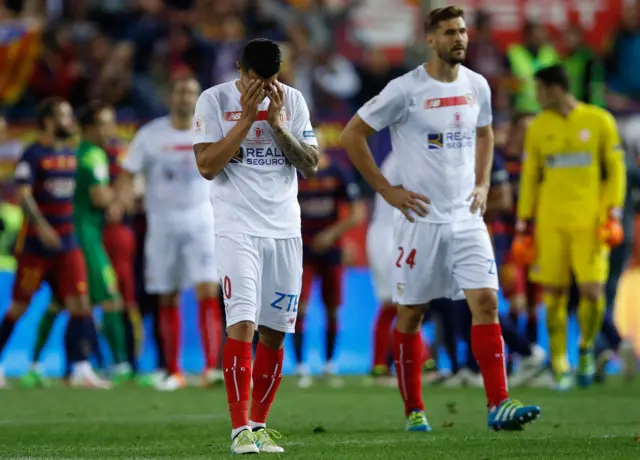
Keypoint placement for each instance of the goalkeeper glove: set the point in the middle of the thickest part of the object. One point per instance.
(522, 248)
(612, 233)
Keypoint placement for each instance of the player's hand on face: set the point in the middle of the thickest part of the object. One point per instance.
(410, 203)
(250, 98)
(323, 241)
(49, 237)
(479, 199)
(275, 92)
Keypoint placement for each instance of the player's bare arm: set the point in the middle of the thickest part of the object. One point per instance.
(124, 189)
(484, 159)
(46, 233)
(303, 156)
(212, 157)
(327, 238)
(354, 141)
(102, 196)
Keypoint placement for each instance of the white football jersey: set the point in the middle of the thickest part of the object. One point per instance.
(433, 133)
(257, 192)
(174, 191)
(383, 211)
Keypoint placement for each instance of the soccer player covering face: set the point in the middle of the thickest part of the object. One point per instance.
(45, 179)
(179, 246)
(320, 198)
(252, 136)
(94, 203)
(439, 116)
(573, 185)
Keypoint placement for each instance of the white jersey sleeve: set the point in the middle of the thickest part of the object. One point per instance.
(387, 108)
(136, 158)
(207, 122)
(485, 117)
(301, 124)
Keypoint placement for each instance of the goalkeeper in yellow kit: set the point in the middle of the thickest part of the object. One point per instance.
(573, 188)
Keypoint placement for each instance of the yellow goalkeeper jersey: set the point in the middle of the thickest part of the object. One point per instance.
(573, 170)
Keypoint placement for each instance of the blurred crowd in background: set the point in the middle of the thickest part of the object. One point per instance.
(339, 53)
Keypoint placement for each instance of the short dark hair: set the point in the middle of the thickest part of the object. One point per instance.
(88, 115)
(46, 109)
(555, 75)
(262, 56)
(436, 16)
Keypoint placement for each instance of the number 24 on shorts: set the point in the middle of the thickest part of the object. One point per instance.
(410, 260)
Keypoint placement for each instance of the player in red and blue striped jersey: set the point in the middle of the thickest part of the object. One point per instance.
(48, 248)
(320, 198)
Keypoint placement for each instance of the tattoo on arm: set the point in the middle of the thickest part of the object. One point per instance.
(303, 156)
(31, 210)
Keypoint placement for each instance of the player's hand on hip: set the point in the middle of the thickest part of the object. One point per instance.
(409, 203)
(250, 98)
(275, 92)
(49, 237)
(479, 199)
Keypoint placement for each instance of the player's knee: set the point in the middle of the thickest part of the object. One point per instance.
(241, 331)
(332, 314)
(409, 319)
(271, 338)
(206, 290)
(17, 309)
(169, 300)
(591, 292)
(484, 305)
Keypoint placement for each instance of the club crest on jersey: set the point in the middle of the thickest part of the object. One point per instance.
(258, 136)
(457, 120)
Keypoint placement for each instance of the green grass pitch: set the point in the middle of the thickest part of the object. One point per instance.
(355, 422)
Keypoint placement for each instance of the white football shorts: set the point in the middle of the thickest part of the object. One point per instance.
(441, 260)
(380, 252)
(261, 279)
(180, 258)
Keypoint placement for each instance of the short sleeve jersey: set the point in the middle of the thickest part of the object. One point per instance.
(93, 169)
(256, 192)
(433, 132)
(50, 172)
(175, 192)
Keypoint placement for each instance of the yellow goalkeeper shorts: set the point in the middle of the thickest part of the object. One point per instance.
(560, 252)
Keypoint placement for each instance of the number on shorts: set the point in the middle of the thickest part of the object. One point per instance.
(410, 260)
(226, 287)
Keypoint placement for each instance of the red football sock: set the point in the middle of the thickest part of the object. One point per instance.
(426, 353)
(170, 334)
(382, 334)
(236, 362)
(267, 375)
(488, 348)
(407, 356)
(211, 331)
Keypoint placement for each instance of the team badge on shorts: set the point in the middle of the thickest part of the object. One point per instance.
(400, 288)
